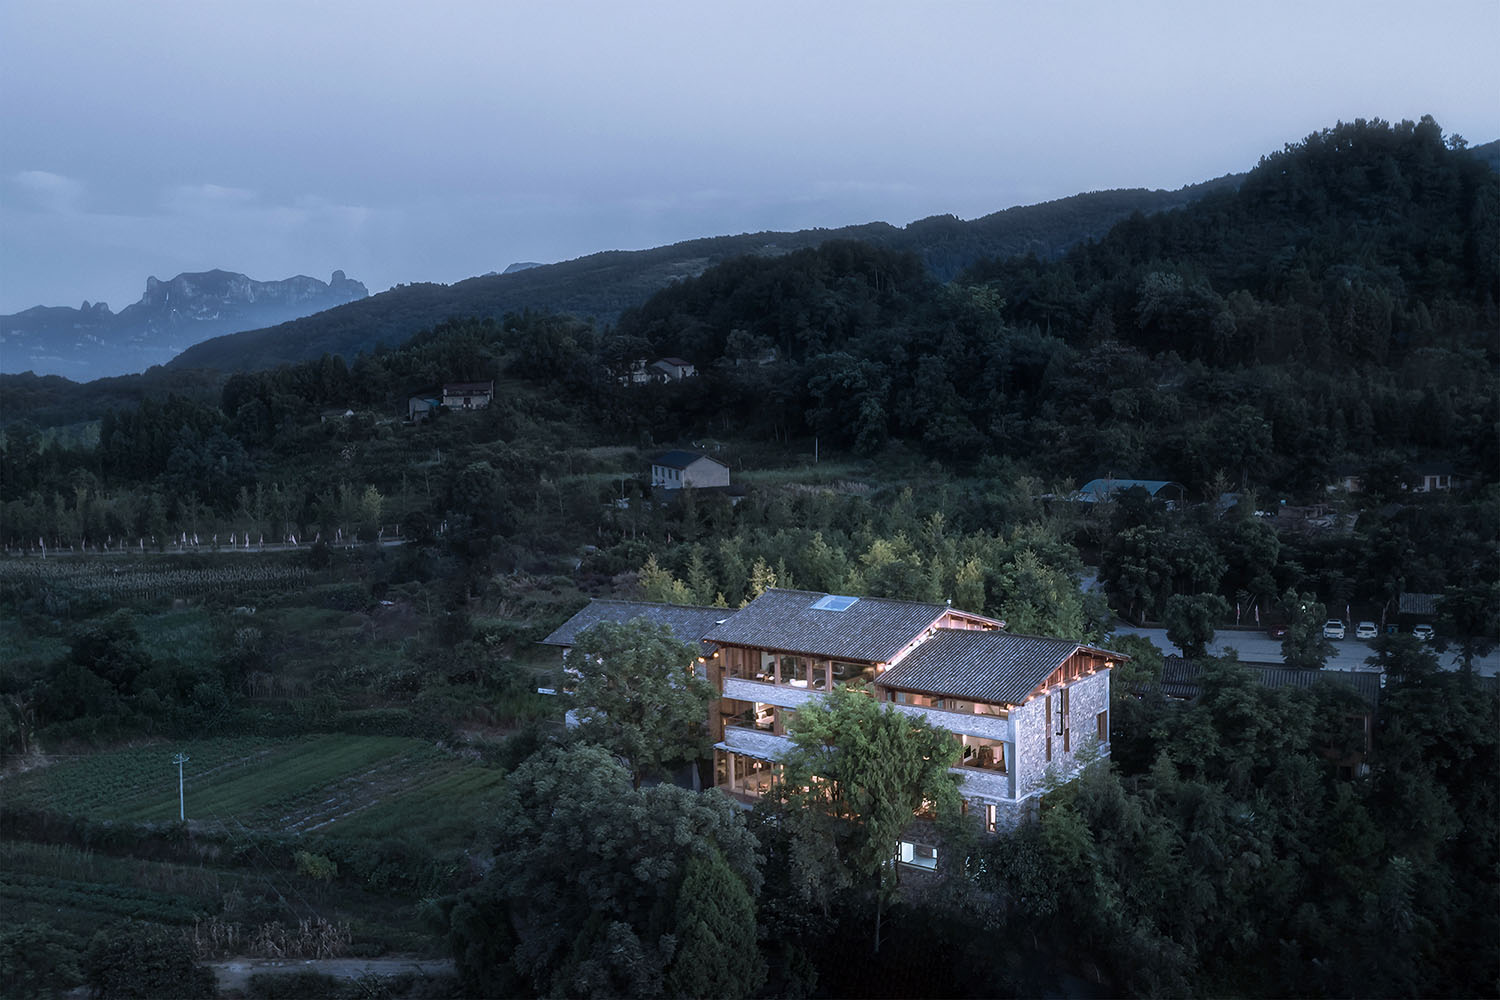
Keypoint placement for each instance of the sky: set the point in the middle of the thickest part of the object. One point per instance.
(405, 142)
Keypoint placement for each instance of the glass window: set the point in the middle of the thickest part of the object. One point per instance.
(794, 671)
(919, 855)
(845, 672)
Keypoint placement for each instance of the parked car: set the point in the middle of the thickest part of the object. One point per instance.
(1366, 630)
(1423, 632)
(1333, 629)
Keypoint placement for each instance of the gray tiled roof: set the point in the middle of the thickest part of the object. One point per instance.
(1418, 604)
(688, 623)
(986, 666)
(872, 629)
(1182, 678)
(680, 459)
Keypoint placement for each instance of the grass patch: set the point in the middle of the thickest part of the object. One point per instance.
(21, 647)
(821, 474)
(185, 635)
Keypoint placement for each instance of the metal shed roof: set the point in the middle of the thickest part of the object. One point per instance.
(1103, 489)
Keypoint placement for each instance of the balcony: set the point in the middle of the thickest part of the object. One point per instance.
(992, 784)
(991, 727)
(780, 695)
(755, 742)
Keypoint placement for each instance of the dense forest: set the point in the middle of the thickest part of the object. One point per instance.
(276, 558)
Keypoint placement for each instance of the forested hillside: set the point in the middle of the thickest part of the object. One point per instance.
(354, 600)
(600, 286)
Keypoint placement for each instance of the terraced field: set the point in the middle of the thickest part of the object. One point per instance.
(331, 784)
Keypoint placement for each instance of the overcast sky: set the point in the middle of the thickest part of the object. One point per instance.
(407, 141)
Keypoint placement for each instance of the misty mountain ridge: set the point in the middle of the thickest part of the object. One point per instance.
(603, 285)
(93, 342)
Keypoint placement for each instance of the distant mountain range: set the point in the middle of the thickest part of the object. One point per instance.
(226, 322)
(92, 342)
(603, 285)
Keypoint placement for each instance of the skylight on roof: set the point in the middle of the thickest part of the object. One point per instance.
(834, 602)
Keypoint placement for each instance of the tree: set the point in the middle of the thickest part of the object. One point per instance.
(38, 961)
(1471, 613)
(1041, 600)
(589, 873)
(1190, 621)
(1403, 657)
(639, 696)
(1304, 645)
(875, 768)
(717, 955)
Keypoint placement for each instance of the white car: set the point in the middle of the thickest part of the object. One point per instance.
(1422, 632)
(1366, 630)
(1333, 629)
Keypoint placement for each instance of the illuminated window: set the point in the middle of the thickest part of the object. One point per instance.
(919, 855)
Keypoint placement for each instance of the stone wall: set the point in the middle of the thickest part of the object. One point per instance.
(1087, 697)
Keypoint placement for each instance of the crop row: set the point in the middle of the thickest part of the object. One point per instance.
(127, 582)
(96, 897)
(108, 785)
(334, 783)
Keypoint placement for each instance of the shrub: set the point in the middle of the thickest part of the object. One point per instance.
(146, 962)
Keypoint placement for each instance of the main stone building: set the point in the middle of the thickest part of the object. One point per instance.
(1019, 706)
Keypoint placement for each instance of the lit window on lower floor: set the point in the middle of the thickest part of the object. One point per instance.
(918, 855)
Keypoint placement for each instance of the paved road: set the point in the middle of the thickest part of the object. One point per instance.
(1258, 647)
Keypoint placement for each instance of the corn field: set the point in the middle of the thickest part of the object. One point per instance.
(315, 938)
(57, 581)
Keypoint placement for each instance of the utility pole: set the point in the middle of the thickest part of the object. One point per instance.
(180, 759)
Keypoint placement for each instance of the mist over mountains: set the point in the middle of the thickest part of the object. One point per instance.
(92, 342)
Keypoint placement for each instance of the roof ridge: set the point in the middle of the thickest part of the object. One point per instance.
(659, 604)
(1079, 644)
(871, 597)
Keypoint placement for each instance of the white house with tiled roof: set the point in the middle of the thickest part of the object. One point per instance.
(1018, 706)
(674, 470)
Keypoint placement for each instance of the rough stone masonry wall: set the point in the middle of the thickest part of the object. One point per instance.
(1087, 697)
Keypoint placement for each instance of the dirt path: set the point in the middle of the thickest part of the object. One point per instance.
(234, 973)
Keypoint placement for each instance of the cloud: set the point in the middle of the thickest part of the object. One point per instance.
(44, 191)
(186, 227)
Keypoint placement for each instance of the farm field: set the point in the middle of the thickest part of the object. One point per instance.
(333, 785)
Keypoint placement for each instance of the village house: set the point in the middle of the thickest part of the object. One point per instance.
(674, 369)
(450, 395)
(1430, 477)
(640, 372)
(677, 469)
(1018, 706)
